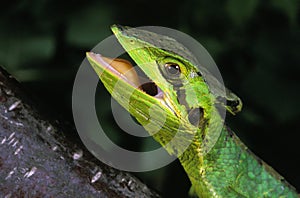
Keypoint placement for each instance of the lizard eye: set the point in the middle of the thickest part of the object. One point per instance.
(172, 69)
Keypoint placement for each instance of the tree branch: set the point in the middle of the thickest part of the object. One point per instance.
(40, 158)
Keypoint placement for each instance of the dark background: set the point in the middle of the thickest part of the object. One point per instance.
(256, 45)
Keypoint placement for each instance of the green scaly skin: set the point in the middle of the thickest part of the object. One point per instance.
(217, 165)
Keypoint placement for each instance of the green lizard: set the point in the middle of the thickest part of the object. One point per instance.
(217, 166)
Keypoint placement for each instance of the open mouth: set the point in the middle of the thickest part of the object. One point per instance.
(124, 70)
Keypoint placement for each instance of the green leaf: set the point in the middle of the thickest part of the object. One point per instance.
(25, 49)
(89, 25)
(288, 7)
(241, 11)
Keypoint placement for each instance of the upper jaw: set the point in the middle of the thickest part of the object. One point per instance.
(124, 70)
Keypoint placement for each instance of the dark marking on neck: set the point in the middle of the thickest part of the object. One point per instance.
(177, 85)
(220, 108)
(195, 115)
(181, 97)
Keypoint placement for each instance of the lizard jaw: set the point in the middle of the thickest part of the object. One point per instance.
(124, 70)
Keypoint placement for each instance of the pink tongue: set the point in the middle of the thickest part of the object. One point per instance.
(125, 68)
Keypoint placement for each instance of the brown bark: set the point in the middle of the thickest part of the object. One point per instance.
(41, 158)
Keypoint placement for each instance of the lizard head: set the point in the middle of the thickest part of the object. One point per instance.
(174, 85)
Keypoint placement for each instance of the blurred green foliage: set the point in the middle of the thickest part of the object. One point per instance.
(255, 43)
